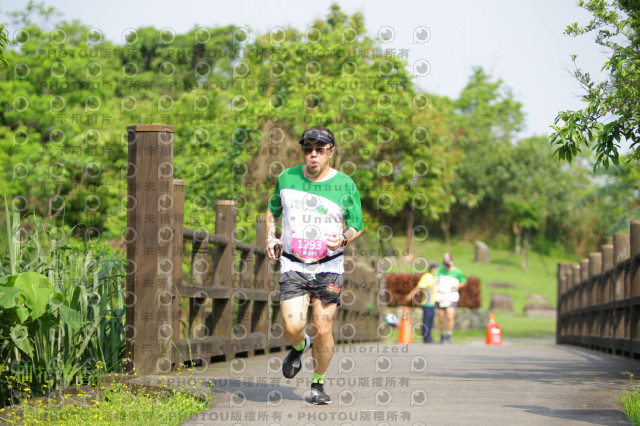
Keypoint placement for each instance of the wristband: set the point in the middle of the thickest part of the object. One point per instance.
(345, 241)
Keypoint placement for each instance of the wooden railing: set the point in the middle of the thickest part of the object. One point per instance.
(599, 299)
(229, 306)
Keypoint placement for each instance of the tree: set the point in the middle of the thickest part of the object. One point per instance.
(4, 41)
(620, 192)
(612, 114)
(238, 103)
(486, 120)
(388, 135)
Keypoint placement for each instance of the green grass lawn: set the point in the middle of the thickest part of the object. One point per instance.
(505, 266)
(120, 405)
(513, 326)
(630, 400)
(518, 327)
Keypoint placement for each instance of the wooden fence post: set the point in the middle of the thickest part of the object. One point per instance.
(634, 278)
(584, 295)
(635, 250)
(595, 268)
(224, 265)
(201, 276)
(178, 248)
(620, 292)
(620, 253)
(607, 264)
(244, 342)
(149, 247)
(575, 297)
(260, 315)
(559, 313)
(563, 278)
(606, 296)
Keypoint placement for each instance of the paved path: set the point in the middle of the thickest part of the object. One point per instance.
(472, 384)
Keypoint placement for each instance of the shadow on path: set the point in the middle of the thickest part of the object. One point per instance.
(596, 417)
(237, 392)
(569, 366)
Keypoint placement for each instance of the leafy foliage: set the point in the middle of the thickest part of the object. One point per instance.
(612, 113)
(4, 41)
(61, 316)
(238, 106)
(470, 294)
(122, 404)
(399, 285)
(239, 101)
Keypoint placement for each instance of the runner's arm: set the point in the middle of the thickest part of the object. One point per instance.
(462, 279)
(335, 241)
(409, 297)
(352, 233)
(272, 240)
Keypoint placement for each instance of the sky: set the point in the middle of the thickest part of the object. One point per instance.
(520, 42)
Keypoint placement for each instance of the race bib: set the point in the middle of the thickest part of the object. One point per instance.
(306, 248)
(445, 302)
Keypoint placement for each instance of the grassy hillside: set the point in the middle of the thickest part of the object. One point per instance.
(505, 266)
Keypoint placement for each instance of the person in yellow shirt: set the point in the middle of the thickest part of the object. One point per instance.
(427, 285)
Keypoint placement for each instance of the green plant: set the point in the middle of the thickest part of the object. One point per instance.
(630, 400)
(4, 42)
(122, 404)
(611, 115)
(61, 314)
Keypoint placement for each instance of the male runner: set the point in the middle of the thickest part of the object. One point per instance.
(314, 201)
(450, 280)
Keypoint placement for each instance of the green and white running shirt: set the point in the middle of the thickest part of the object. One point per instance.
(448, 284)
(310, 211)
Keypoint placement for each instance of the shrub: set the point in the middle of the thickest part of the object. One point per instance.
(62, 315)
(470, 294)
(398, 286)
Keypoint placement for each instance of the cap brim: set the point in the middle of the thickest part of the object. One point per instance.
(318, 136)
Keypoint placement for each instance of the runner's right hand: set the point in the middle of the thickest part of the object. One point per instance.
(274, 245)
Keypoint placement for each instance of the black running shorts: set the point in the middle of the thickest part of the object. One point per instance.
(323, 286)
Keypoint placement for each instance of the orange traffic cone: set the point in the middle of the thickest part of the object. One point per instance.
(494, 332)
(405, 336)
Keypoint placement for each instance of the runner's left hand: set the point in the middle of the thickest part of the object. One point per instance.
(333, 241)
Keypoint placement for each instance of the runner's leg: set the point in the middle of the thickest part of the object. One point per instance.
(451, 314)
(429, 313)
(425, 327)
(294, 317)
(322, 327)
(441, 320)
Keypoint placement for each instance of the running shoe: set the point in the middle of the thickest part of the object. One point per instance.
(318, 395)
(292, 363)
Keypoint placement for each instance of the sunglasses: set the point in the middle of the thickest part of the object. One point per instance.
(320, 151)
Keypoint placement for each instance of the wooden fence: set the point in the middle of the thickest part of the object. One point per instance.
(229, 306)
(599, 299)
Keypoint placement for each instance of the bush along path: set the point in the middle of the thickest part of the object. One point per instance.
(61, 314)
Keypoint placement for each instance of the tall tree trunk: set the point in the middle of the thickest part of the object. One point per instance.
(409, 229)
(525, 251)
(445, 225)
(518, 233)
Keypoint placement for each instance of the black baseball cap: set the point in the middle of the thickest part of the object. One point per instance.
(317, 136)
